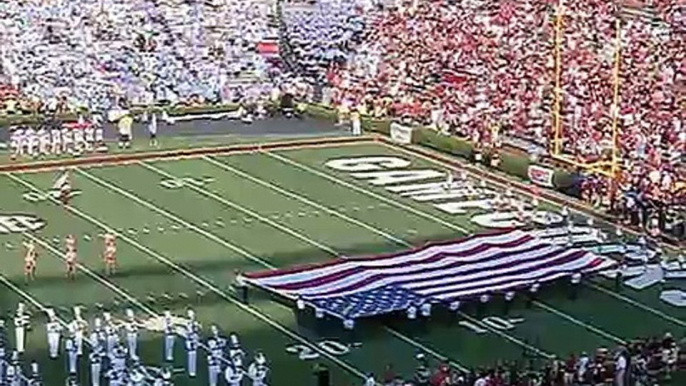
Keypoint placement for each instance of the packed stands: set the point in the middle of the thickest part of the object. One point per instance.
(99, 53)
(483, 70)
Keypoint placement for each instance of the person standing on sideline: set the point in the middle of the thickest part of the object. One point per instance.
(356, 123)
(125, 134)
(152, 129)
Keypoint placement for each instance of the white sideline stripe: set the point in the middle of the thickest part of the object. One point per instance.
(413, 210)
(317, 244)
(354, 221)
(306, 201)
(611, 293)
(368, 193)
(588, 326)
(244, 210)
(206, 284)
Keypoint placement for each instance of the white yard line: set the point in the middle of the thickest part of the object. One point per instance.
(596, 330)
(413, 210)
(176, 218)
(637, 304)
(315, 243)
(243, 210)
(257, 314)
(94, 276)
(306, 201)
(366, 192)
(400, 241)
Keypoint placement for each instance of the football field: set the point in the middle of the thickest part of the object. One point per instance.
(185, 226)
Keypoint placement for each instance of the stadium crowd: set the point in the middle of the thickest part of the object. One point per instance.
(643, 362)
(96, 54)
(484, 70)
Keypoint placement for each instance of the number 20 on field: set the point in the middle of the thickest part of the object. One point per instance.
(492, 322)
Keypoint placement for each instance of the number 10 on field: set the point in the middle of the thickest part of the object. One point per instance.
(490, 322)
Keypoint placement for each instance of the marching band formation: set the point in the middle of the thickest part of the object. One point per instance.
(112, 348)
(55, 138)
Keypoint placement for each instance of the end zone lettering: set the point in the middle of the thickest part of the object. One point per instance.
(20, 223)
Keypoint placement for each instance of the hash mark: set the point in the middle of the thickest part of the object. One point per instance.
(301, 214)
(219, 223)
(146, 230)
(9, 245)
(87, 237)
(176, 227)
(132, 232)
(183, 295)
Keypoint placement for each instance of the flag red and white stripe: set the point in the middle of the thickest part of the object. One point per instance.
(480, 264)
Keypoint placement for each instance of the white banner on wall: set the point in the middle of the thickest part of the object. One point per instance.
(401, 134)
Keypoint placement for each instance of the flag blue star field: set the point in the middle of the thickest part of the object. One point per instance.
(441, 272)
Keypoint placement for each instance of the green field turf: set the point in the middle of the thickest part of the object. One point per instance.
(184, 227)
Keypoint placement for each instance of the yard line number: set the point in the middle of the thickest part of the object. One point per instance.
(178, 183)
(305, 353)
(50, 195)
(494, 322)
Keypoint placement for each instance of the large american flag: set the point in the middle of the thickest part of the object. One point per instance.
(441, 272)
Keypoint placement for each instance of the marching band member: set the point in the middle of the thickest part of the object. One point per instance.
(31, 142)
(118, 358)
(192, 342)
(235, 350)
(54, 329)
(214, 369)
(233, 375)
(169, 336)
(78, 327)
(89, 137)
(258, 370)
(219, 343)
(111, 334)
(17, 143)
(131, 327)
(3, 368)
(72, 355)
(97, 338)
(67, 140)
(30, 260)
(96, 367)
(43, 142)
(21, 323)
(192, 325)
(55, 141)
(79, 142)
(36, 379)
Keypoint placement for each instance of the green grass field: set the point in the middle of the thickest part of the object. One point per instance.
(184, 227)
